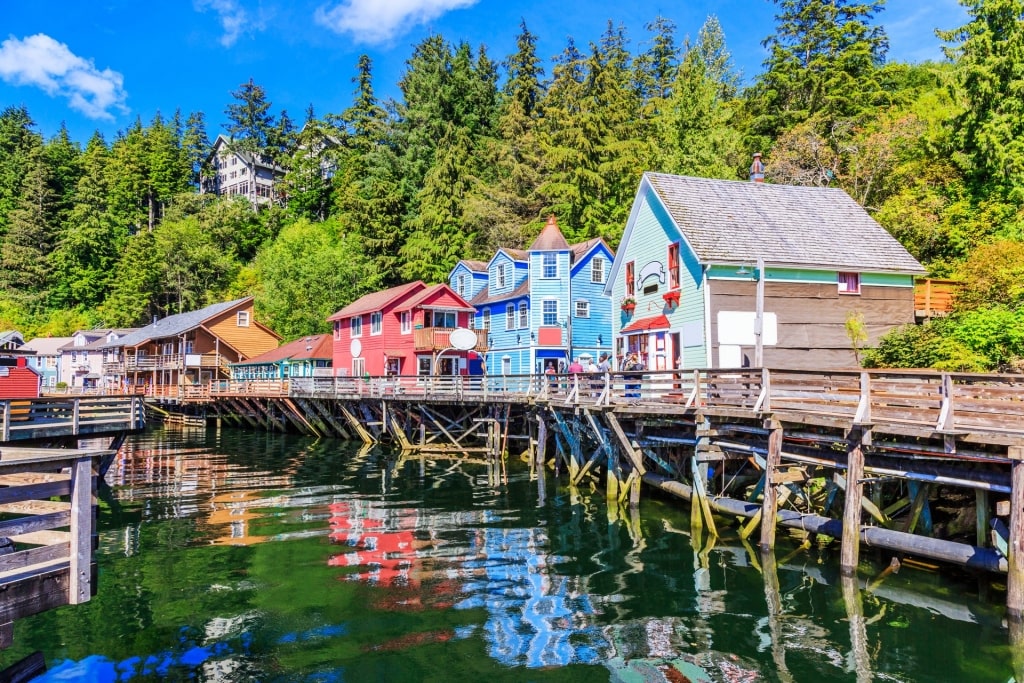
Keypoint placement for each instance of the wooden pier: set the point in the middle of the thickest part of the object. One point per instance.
(47, 503)
(915, 464)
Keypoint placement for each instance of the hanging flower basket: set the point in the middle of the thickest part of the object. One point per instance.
(628, 305)
(671, 298)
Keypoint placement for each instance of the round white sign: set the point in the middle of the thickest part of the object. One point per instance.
(462, 339)
(356, 348)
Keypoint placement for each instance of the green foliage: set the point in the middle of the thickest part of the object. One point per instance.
(309, 272)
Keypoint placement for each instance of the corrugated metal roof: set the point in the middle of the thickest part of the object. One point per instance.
(375, 301)
(318, 346)
(174, 324)
(738, 222)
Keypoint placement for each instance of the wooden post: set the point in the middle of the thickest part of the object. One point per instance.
(769, 502)
(80, 576)
(1015, 549)
(7, 421)
(850, 550)
(982, 519)
(858, 629)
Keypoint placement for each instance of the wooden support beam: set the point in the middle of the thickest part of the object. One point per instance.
(356, 425)
(982, 516)
(699, 472)
(82, 489)
(1015, 558)
(770, 502)
(850, 549)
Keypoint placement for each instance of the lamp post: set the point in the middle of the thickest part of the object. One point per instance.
(759, 315)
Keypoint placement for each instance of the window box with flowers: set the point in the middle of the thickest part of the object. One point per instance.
(671, 298)
(628, 304)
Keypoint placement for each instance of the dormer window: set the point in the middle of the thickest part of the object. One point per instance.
(242, 319)
(549, 265)
(502, 279)
(461, 285)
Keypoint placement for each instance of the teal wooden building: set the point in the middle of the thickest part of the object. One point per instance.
(305, 357)
(719, 273)
(541, 306)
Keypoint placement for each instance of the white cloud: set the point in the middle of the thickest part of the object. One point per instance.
(234, 19)
(43, 62)
(378, 21)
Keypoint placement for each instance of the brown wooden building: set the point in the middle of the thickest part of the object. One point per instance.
(192, 348)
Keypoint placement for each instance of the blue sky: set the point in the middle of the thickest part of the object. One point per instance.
(98, 65)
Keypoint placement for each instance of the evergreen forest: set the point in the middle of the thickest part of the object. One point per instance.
(478, 149)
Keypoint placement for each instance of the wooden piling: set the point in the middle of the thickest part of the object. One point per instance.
(850, 550)
(1015, 558)
(769, 501)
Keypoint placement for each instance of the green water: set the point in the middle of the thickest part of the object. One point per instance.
(230, 556)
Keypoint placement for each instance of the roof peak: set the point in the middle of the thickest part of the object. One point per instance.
(550, 238)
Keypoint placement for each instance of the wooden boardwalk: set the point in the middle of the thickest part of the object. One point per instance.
(868, 458)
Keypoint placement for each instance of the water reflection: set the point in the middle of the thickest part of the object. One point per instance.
(246, 557)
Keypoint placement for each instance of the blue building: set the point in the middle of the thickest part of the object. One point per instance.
(46, 360)
(542, 306)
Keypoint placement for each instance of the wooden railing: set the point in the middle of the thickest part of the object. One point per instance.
(941, 402)
(38, 418)
(934, 297)
(438, 338)
(46, 501)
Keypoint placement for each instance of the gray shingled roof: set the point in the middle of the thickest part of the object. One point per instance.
(174, 324)
(736, 222)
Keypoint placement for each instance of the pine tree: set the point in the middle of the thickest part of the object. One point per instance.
(195, 144)
(824, 60)
(17, 142)
(989, 70)
(64, 159)
(24, 266)
(250, 125)
(91, 242)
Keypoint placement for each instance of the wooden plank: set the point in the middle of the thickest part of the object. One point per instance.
(43, 537)
(46, 489)
(25, 560)
(25, 478)
(24, 525)
(34, 594)
(35, 507)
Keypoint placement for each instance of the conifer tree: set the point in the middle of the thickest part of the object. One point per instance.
(24, 262)
(91, 242)
(195, 144)
(823, 62)
(17, 141)
(989, 70)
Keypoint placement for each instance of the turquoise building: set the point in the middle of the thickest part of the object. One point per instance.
(541, 306)
(728, 274)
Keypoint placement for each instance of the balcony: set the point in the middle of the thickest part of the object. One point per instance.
(113, 368)
(437, 338)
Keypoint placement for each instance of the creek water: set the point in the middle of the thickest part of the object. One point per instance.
(226, 555)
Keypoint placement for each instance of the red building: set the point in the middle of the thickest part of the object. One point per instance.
(403, 331)
(17, 379)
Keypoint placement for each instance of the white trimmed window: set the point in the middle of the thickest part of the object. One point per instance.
(550, 312)
(849, 283)
(549, 265)
(510, 317)
(460, 286)
(502, 278)
(486, 319)
(582, 309)
(355, 326)
(242, 319)
(358, 367)
(597, 270)
(376, 322)
(337, 330)
(405, 322)
(524, 315)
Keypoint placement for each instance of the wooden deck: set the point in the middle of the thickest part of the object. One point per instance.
(47, 510)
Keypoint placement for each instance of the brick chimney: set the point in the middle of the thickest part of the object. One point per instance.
(757, 169)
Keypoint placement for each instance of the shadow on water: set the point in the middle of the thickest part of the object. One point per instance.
(233, 556)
